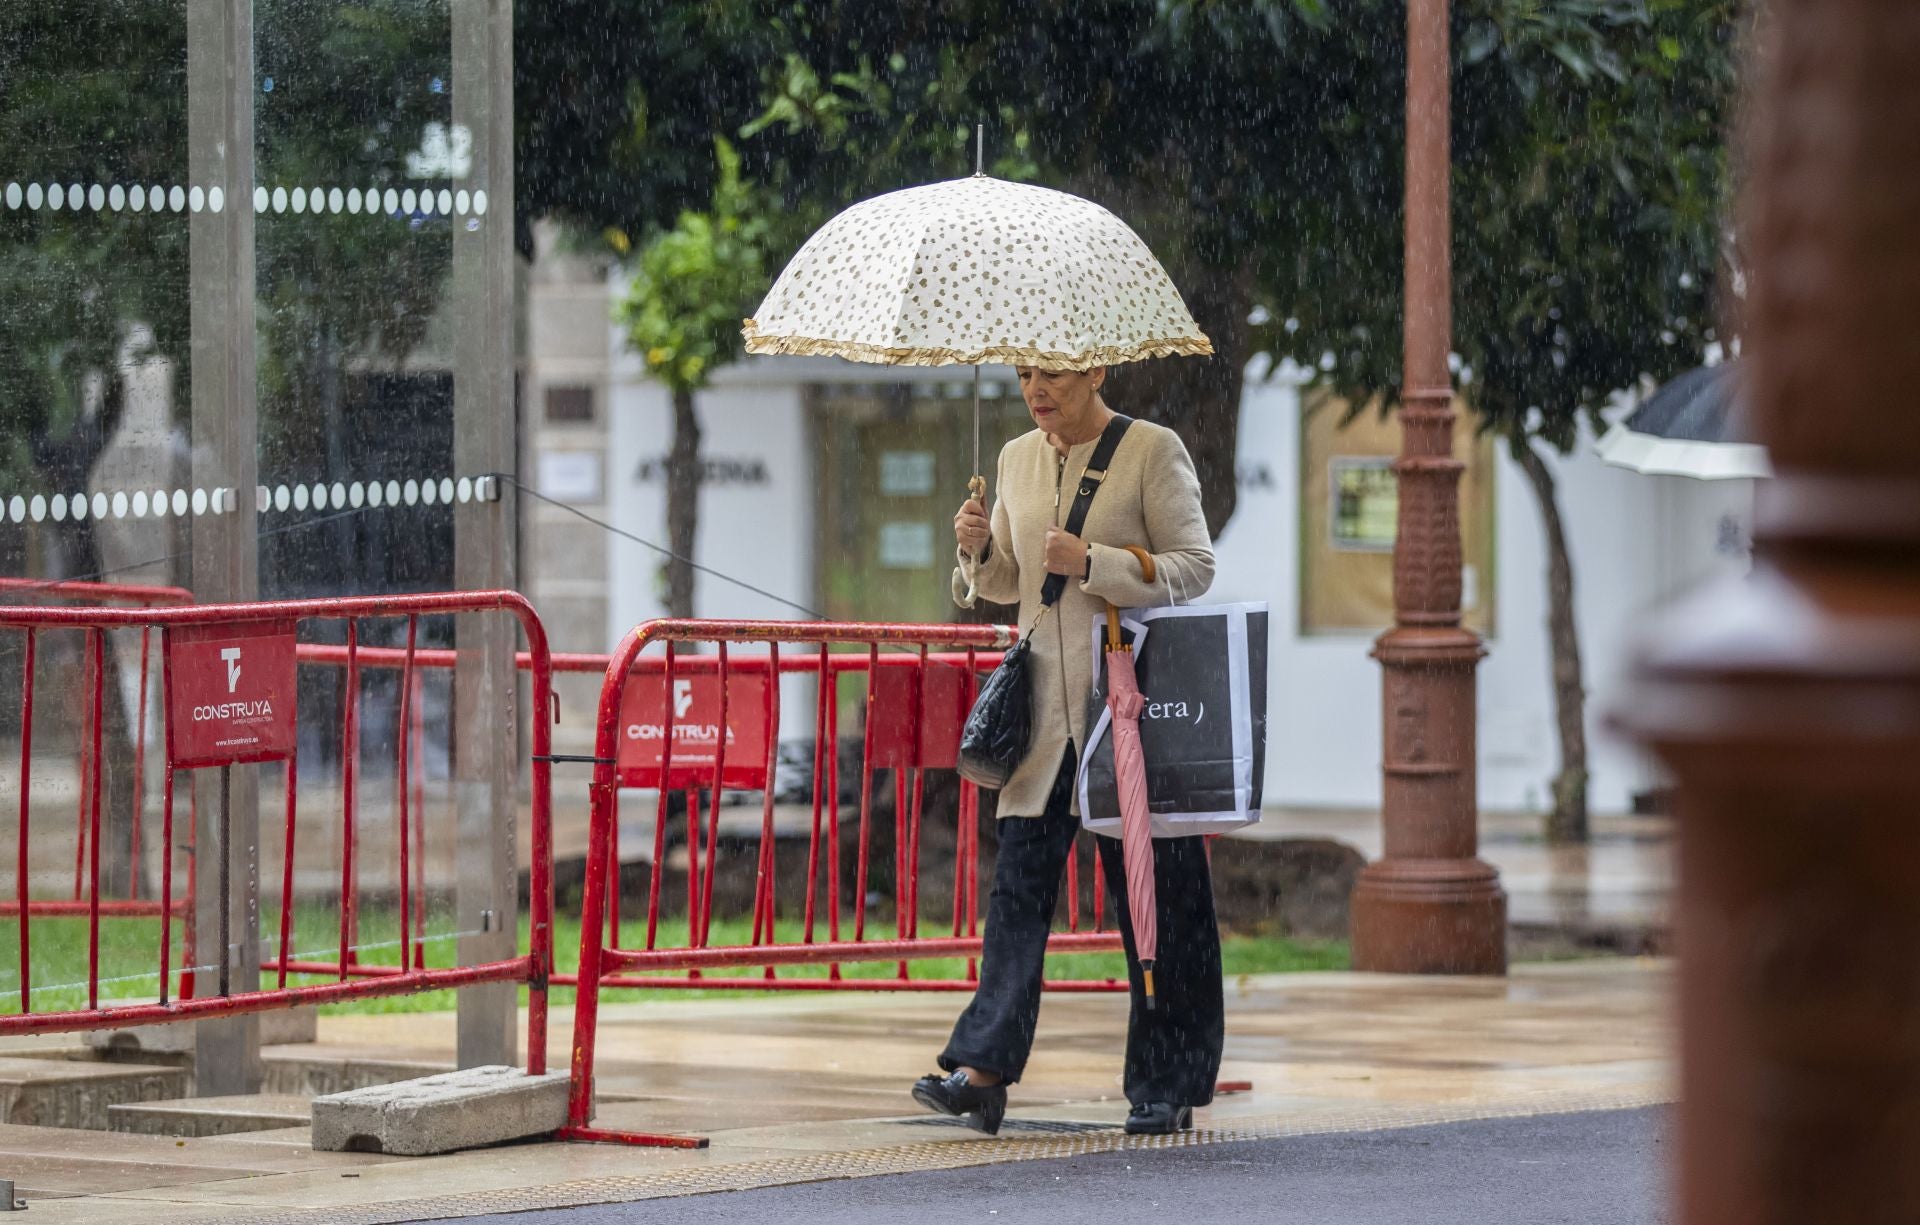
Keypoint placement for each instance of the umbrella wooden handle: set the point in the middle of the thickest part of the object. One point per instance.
(1146, 561)
(977, 486)
(1113, 630)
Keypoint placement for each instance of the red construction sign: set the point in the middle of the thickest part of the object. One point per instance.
(230, 693)
(696, 731)
(943, 712)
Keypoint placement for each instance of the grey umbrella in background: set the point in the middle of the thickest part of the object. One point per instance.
(1689, 427)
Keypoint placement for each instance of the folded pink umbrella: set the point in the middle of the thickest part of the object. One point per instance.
(1130, 773)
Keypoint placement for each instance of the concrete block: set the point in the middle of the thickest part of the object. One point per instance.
(441, 1114)
(56, 1093)
(175, 1038)
(196, 1117)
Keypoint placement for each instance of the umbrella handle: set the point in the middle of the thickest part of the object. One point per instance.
(1147, 570)
(1146, 562)
(977, 489)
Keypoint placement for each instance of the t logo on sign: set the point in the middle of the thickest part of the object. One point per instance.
(232, 656)
(682, 698)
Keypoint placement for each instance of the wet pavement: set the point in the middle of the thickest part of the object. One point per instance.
(800, 1089)
(1597, 1168)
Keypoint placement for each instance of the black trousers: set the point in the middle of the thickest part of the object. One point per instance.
(1173, 1050)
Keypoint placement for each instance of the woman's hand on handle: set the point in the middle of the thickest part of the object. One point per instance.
(971, 529)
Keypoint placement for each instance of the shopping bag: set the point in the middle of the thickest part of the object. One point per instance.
(1203, 671)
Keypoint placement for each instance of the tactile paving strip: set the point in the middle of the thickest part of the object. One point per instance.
(1051, 1127)
(932, 1155)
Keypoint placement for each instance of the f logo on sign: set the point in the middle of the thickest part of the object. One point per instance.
(682, 698)
(232, 656)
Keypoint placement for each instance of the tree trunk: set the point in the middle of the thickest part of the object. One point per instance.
(1567, 822)
(683, 503)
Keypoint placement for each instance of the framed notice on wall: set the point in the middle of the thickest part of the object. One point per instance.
(1349, 518)
(1365, 503)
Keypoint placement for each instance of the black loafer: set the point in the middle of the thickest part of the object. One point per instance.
(1158, 1119)
(982, 1107)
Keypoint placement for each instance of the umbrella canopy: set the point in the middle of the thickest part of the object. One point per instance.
(976, 270)
(1689, 427)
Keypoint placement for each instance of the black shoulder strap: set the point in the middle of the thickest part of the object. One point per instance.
(1090, 482)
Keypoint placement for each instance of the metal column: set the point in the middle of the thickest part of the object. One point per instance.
(486, 688)
(1429, 905)
(225, 547)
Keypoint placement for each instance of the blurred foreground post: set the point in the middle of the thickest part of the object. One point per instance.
(1789, 705)
(1429, 905)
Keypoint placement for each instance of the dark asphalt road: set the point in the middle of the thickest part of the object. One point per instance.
(1605, 1168)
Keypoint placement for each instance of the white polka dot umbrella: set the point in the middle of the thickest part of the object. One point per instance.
(976, 270)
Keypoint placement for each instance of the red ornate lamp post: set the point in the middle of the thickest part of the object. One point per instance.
(1429, 905)
(1788, 705)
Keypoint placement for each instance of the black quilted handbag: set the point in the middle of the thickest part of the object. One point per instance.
(1000, 726)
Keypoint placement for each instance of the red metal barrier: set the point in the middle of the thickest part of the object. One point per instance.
(907, 747)
(179, 625)
(62, 592)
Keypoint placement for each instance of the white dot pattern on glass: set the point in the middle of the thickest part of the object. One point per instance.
(976, 270)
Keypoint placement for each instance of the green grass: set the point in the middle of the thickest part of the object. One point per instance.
(129, 950)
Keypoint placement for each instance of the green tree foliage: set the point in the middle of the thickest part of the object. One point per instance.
(692, 284)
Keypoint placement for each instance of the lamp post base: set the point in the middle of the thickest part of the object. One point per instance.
(1429, 916)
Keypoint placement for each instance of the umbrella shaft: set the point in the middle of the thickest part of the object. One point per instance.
(976, 420)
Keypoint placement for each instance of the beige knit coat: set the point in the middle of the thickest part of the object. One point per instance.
(1150, 498)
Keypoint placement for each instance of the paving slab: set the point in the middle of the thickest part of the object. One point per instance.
(211, 1116)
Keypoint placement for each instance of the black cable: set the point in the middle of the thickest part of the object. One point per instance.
(660, 549)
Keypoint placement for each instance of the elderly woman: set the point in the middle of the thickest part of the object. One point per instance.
(1148, 498)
